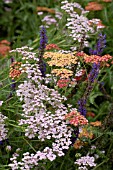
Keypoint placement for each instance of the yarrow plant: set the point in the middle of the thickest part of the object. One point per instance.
(78, 23)
(43, 114)
(41, 88)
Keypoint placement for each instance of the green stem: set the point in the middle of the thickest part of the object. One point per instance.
(100, 164)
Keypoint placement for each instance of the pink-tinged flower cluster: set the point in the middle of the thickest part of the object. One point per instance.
(43, 113)
(76, 119)
(51, 19)
(85, 162)
(78, 23)
(30, 161)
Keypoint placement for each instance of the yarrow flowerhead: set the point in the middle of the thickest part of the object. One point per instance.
(94, 6)
(14, 70)
(88, 161)
(63, 83)
(52, 47)
(76, 119)
(78, 23)
(59, 59)
(63, 73)
(4, 47)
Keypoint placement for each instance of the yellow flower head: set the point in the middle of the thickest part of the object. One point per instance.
(63, 73)
(59, 59)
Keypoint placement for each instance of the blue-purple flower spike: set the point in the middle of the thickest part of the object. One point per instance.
(43, 42)
(81, 106)
(101, 44)
(43, 38)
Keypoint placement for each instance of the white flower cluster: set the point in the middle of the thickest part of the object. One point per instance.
(85, 162)
(49, 20)
(30, 161)
(77, 23)
(43, 113)
(3, 130)
(79, 70)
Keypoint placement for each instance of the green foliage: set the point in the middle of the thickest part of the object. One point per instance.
(20, 24)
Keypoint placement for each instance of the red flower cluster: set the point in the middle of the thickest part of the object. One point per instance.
(52, 46)
(95, 58)
(63, 83)
(80, 54)
(76, 119)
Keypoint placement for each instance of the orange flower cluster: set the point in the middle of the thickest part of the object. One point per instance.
(97, 59)
(97, 123)
(63, 83)
(14, 70)
(84, 133)
(4, 47)
(76, 119)
(45, 9)
(52, 46)
(78, 144)
(63, 73)
(93, 6)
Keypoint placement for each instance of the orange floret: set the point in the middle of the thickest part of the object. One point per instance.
(40, 8)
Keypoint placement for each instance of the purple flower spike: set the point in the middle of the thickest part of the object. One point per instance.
(99, 47)
(43, 38)
(43, 42)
